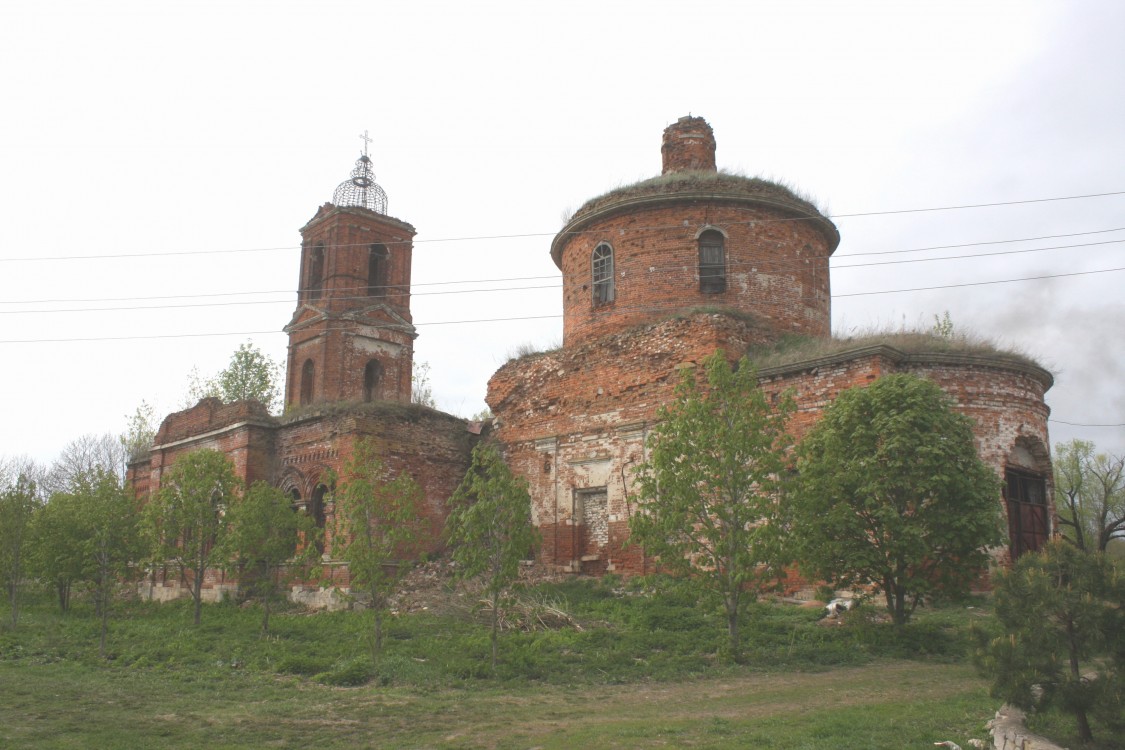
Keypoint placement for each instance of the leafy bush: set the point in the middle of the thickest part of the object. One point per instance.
(302, 664)
(348, 673)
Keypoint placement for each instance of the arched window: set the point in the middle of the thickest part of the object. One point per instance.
(712, 263)
(372, 376)
(1028, 513)
(377, 257)
(602, 265)
(315, 281)
(308, 372)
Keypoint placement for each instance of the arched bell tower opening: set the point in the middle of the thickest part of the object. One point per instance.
(353, 305)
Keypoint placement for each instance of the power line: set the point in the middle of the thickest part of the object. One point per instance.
(790, 262)
(978, 205)
(1082, 424)
(981, 283)
(287, 301)
(559, 315)
(527, 235)
(975, 255)
(982, 242)
(264, 291)
(146, 337)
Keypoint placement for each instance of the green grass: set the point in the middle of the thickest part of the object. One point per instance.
(792, 349)
(1062, 727)
(645, 670)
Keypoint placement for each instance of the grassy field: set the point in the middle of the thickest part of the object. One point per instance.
(894, 705)
(633, 669)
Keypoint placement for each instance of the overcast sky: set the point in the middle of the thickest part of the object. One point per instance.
(191, 141)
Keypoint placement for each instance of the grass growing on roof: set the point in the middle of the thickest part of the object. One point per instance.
(791, 349)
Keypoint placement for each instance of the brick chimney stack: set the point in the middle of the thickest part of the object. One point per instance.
(689, 143)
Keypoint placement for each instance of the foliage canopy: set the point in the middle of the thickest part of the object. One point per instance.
(890, 492)
(250, 375)
(377, 522)
(187, 518)
(1062, 614)
(709, 488)
(20, 498)
(1089, 494)
(268, 544)
(489, 527)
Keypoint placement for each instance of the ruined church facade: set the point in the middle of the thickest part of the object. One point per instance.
(660, 274)
(348, 378)
(656, 277)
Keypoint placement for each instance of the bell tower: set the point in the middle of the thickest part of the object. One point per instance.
(351, 338)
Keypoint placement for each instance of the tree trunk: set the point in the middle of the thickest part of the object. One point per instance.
(197, 594)
(378, 649)
(266, 614)
(1076, 674)
(732, 627)
(495, 625)
(13, 600)
(104, 598)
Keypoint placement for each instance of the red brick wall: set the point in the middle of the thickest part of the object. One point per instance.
(341, 328)
(297, 452)
(578, 418)
(243, 430)
(430, 446)
(689, 143)
(776, 268)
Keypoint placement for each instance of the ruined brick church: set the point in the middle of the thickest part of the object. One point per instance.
(656, 277)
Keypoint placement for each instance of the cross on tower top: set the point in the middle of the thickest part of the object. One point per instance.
(366, 140)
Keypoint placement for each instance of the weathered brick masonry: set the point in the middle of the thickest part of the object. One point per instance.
(348, 378)
(659, 275)
(656, 277)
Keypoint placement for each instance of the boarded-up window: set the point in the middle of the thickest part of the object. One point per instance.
(712, 263)
(1028, 511)
(603, 274)
(377, 261)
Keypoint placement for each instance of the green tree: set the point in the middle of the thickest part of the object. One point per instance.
(890, 492)
(489, 527)
(187, 518)
(1089, 495)
(421, 391)
(140, 429)
(58, 530)
(250, 375)
(1062, 613)
(376, 524)
(56, 536)
(20, 498)
(709, 488)
(112, 540)
(261, 544)
(943, 326)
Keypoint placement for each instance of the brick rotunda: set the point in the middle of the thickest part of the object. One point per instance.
(656, 277)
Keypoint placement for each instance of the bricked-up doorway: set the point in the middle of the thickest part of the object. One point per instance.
(591, 515)
(1028, 512)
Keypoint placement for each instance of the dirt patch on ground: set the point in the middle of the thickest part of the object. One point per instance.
(433, 587)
